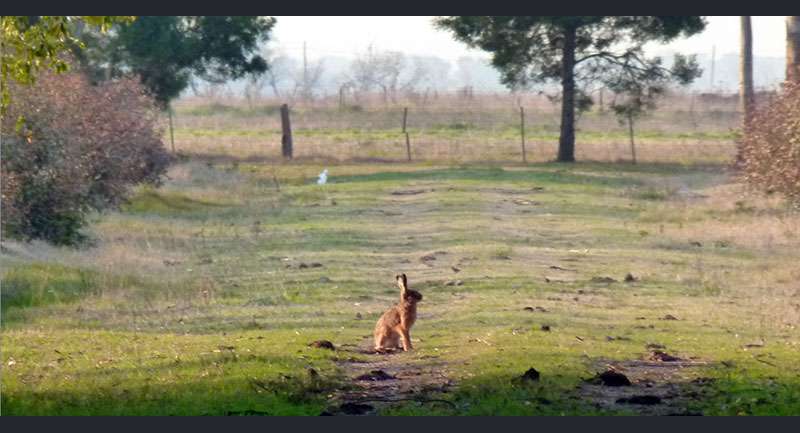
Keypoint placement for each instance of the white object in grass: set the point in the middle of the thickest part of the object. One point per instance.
(323, 177)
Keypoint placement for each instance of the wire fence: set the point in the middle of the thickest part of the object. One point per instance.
(454, 127)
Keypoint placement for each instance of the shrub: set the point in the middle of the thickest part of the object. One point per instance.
(770, 147)
(78, 148)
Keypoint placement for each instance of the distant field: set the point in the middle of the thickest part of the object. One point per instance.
(201, 297)
(452, 129)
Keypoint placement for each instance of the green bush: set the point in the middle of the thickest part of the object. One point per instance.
(79, 148)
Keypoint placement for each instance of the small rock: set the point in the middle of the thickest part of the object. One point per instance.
(546, 328)
(323, 344)
(455, 269)
(358, 316)
(629, 278)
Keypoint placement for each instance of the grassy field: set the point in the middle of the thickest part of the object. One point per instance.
(201, 297)
(454, 130)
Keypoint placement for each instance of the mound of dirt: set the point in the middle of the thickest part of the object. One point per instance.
(661, 356)
(611, 378)
(376, 375)
(323, 344)
(530, 376)
(355, 408)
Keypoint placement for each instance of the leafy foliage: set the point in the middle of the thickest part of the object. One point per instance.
(168, 51)
(770, 147)
(73, 154)
(34, 43)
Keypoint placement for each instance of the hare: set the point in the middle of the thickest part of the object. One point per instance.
(394, 325)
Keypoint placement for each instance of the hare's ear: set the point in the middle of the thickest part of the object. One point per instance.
(402, 282)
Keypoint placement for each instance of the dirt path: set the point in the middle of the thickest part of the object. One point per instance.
(655, 387)
(386, 380)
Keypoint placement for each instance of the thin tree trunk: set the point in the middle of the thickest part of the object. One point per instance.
(171, 130)
(566, 141)
(793, 49)
(746, 71)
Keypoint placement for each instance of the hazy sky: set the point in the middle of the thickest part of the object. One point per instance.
(345, 36)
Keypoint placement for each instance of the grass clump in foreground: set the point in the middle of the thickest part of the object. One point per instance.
(197, 307)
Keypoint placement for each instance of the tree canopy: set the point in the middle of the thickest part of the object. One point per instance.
(581, 50)
(168, 51)
(33, 43)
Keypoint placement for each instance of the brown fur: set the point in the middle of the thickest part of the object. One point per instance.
(393, 328)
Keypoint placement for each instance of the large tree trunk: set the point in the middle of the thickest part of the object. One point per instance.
(793, 49)
(746, 71)
(566, 142)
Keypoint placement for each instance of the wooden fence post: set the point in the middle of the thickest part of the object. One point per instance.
(522, 132)
(286, 127)
(408, 140)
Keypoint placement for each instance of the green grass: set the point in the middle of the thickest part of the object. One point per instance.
(194, 301)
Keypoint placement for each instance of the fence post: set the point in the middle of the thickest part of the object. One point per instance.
(522, 132)
(286, 127)
(408, 140)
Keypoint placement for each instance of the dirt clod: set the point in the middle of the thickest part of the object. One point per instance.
(612, 378)
(546, 328)
(376, 375)
(355, 408)
(603, 280)
(661, 356)
(530, 376)
(629, 278)
(323, 344)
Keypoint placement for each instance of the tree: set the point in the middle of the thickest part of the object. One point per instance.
(746, 98)
(168, 51)
(792, 49)
(570, 49)
(34, 43)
